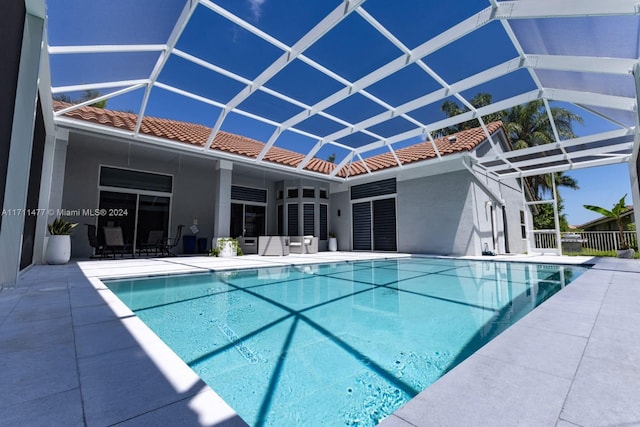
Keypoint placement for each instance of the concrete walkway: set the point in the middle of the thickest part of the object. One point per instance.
(73, 354)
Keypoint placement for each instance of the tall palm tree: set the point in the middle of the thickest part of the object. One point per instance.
(527, 125)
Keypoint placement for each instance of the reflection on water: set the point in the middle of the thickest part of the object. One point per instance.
(336, 344)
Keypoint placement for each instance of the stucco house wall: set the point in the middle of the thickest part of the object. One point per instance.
(193, 183)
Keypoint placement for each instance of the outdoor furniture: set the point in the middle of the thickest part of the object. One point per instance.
(303, 245)
(153, 244)
(273, 245)
(171, 242)
(249, 245)
(114, 241)
(92, 234)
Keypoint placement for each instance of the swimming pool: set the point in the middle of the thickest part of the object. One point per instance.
(336, 344)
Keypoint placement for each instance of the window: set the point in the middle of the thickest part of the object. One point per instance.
(125, 178)
(280, 220)
(292, 193)
(309, 193)
(247, 220)
(309, 222)
(280, 195)
(523, 225)
(248, 194)
(323, 222)
(324, 194)
(292, 219)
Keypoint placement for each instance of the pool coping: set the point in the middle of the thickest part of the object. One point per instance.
(95, 311)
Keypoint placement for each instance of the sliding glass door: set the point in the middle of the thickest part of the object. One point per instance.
(137, 214)
(248, 220)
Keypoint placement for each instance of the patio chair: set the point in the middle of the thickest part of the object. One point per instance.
(154, 243)
(303, 245)
(114, 241)
(171, 242)
(92, 235)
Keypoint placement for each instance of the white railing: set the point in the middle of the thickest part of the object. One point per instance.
(585, 242)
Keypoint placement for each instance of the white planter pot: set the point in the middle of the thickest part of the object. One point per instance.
(59, 249)
(227, 249)
(333, 244)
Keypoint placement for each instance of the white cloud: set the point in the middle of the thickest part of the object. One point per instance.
(256, 8)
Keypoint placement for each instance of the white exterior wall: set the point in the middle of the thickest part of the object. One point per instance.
(443, 214)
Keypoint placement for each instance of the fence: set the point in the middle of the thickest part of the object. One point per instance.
(585, 242)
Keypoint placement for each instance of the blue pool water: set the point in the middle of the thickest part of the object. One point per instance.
(342, 344)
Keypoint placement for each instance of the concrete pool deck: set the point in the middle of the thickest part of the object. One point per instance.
(73, 354)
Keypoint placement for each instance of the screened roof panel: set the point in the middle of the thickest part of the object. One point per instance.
(432, 112)
(357, 139)
(415, 22)
(320, 125)
(606, 84)
(347, 49)
(268, 17)
(81, 22)
(269, 107)
(304, 83)
(626, 118)
(293, 141)
(245, 126)
(485, 47)
(406, 85)
(216, 40)
(75, 69)
(198, 80)
(328, 150)
(169, 105)
(392, 127)
(597, 36)
(367, 75)
(504, 87)
(355, 108)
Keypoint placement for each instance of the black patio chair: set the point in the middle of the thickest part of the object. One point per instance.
(92, 234)
(154, 244)
(114, 241)
(171, 242)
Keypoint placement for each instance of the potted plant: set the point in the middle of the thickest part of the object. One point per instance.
(226, 246)
(59, 245)
(616, 214)
(333, 242)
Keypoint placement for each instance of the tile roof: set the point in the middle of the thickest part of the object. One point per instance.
(195, 134)
(465, 140)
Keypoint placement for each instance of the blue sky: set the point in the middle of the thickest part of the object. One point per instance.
(352, 49)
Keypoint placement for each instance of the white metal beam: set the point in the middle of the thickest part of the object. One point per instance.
(181, 23)
(99, 98)
(68, 50)
(331, 20)
(583, 140)
(565, 8)
(348, 158)
(236, 110)
(595, 99)
(97, 86)
(470, 115)
(599, 151)
(465, 27)
(562, 168)
(582, 64)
